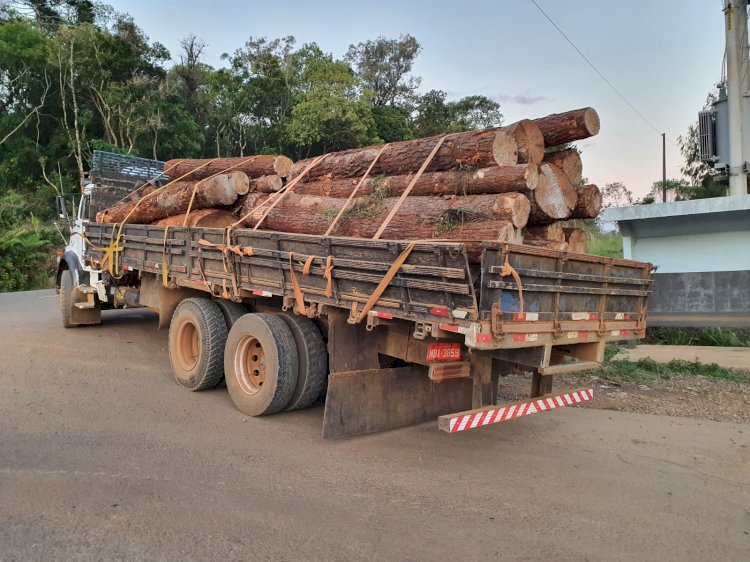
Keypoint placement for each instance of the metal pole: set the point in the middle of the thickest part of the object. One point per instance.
(734, 35)
(663, 167)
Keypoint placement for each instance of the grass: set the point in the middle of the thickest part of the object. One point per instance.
(452, 218)
(698, 336)
(647, 370)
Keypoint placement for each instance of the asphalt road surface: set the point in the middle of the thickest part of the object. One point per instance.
(104, 457)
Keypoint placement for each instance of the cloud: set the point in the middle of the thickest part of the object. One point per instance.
(527, 98)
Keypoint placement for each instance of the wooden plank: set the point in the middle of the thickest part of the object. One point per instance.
(361, 402)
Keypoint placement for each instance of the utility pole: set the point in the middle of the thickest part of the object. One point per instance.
(735, 20)
(663, 167)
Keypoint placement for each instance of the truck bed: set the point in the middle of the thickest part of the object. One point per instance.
(567, 297)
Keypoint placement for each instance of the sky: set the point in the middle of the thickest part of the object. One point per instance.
(663, 56)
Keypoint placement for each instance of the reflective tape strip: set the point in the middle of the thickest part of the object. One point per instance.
(471, 420)
(261, 293)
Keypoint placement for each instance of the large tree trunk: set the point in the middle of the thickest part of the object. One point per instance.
(554, 197)
(418, 217)
(473, 149)
(569, 161)
(576, 239)
(560, 128)
(209, 218)
(253, 166)
(494, 179)
(220, 190)
(588, 202)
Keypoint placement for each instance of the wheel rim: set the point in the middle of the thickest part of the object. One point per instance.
(250, 365)
(188, 346)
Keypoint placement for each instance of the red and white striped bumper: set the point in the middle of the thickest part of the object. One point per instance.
(470, 419)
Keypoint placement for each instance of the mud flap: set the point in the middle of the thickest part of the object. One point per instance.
(360, 402)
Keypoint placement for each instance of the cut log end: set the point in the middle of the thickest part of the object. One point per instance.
(282, 165)
(504, 148)
(591, 121)
(554, 195)
(588, 202)
(552, 232)
(569, 161)
(530, 141)
(576, 239)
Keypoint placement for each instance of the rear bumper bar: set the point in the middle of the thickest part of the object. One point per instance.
(470, 419)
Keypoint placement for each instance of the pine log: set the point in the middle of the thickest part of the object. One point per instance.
(588, 202)
(571, 126)
(529, 140)
(260, 165)
(217, 191)
(554, 197)
(418, 217)
(266, 184)
(209, 218)
(576, 239)
(552, 232)
(569, 161)
(550, 244)
(494, 179)
(472, 149)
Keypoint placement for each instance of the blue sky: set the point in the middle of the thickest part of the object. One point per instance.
(663, 55)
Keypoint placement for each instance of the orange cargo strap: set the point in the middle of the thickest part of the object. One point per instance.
(299, 296)
(327, 275)
(409, 187)
(507, 269)
(383, 285)
(225, 248)
(287, 189)
(356, 189)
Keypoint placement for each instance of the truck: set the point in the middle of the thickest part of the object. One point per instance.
(386, 333)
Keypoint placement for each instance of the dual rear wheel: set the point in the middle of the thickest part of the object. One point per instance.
(271, 362)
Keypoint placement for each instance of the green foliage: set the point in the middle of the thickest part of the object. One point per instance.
(719, 337)
(607, 244)
(435, 115)
(646, 369)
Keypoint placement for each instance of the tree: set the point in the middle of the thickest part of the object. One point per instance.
(331, 115)
(434, 116)
(701, 175)
(615, 194)
(384, 65)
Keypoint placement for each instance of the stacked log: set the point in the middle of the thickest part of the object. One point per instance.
(511, 184)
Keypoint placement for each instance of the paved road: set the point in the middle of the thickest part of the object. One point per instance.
(102, 457)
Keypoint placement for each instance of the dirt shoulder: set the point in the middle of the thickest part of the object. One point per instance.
(691, 396)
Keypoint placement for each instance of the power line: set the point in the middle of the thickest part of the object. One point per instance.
(592, 65)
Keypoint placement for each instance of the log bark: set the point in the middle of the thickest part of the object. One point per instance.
(418, 218)
(209, 218)
(571, 126)
(261, 165)
(569, 161)
(554, 197)
(552, 232)
(576, 239)
(266, 184)
(588, 202)
(473, 149)
(494, 179)
(217, 191)
(551, 244)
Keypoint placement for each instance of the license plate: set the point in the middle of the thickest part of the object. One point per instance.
(444, 352)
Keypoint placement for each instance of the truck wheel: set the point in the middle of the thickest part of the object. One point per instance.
(261, 364)
(313, 361)
(197, 335)
(65, 297)
(231, 311)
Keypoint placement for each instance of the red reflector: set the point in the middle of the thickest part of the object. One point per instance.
(484, 338)
(440, 312)
(444, 352)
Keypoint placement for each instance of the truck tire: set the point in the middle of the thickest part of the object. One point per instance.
(232, 311)
(313, 361)
(197, 336)
(261, 364)
(65, 298)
